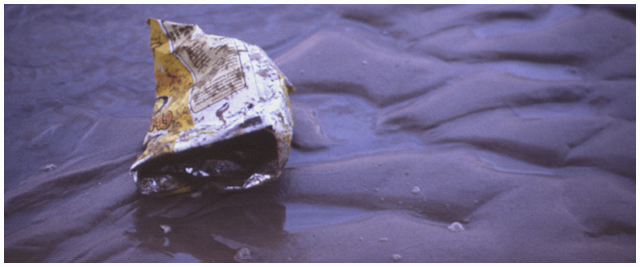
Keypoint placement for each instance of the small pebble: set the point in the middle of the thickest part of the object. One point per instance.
(49, 167)
(360, 239)
(415, 190)
(196, 194)
(166, 242)
(364, 62)
(376, 189)
(165, 228)
(383, 239)
(243, 254)
(456, 227)
(396, 257)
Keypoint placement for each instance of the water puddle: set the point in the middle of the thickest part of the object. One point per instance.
(555, 110)
(302, 215)
(510, 165)
(354, 131)
(538, 71)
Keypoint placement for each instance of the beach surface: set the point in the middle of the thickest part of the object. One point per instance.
(422, 134)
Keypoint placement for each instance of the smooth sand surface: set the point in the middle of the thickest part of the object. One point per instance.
(422, 134)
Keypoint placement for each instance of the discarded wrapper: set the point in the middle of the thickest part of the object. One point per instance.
(222, 117)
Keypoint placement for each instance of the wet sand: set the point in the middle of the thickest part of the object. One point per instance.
(422, 134)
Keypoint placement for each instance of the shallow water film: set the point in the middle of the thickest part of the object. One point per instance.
(422, 134)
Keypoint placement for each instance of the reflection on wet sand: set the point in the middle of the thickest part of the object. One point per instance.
(211, 227)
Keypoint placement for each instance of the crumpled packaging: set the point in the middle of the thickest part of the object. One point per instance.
(221, 119)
